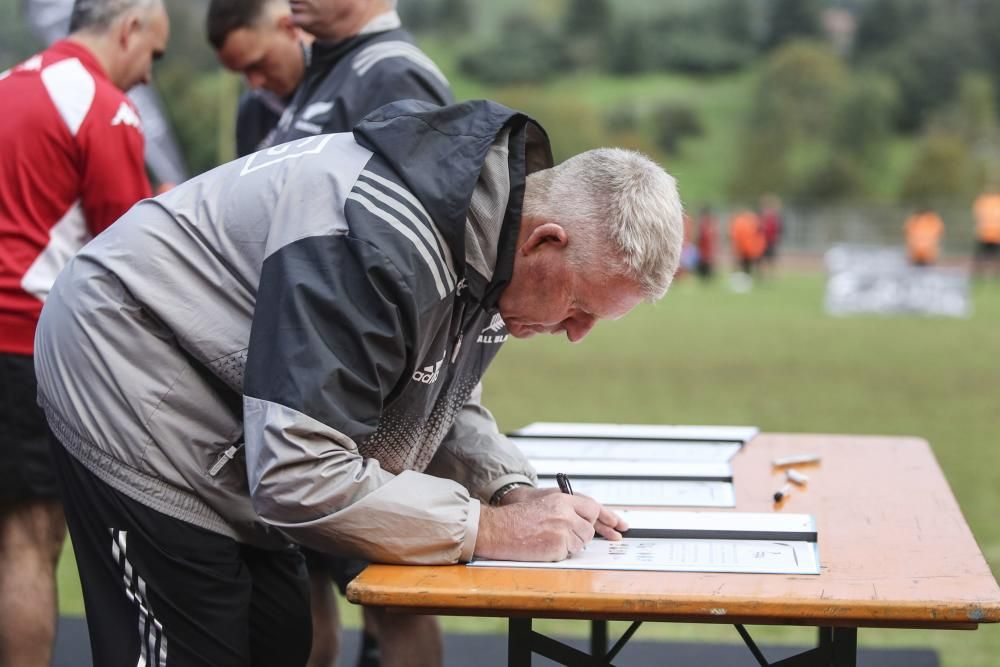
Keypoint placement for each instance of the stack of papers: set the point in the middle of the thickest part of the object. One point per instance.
(718, 451)
(650, 483)
(638, 464)
(740, 434)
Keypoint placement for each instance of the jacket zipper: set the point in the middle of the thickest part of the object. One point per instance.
(224, 458)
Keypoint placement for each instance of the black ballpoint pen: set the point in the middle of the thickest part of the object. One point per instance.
(563, 481)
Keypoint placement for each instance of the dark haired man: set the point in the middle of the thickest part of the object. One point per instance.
(258, 39)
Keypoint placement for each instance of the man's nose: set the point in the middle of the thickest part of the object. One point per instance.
(576, 330)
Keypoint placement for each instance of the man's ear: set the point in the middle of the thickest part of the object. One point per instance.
(286, 25)
(545, 233)
(130, 26)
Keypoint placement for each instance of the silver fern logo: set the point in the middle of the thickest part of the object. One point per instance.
(491, 332)
(495, 325)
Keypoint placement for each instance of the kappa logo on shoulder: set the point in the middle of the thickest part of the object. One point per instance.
(32, 64)
(491, 332)
(126, 116)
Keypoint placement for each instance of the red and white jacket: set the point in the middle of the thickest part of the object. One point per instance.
(71, 163)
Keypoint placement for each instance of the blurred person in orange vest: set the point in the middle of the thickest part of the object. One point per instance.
(986, 211)
(706, 240)
(747, 239)
(924, 230)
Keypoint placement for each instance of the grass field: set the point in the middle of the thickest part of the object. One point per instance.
(773, 359)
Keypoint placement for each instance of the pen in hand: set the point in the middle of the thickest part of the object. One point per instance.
(563, 481)
(617, 527)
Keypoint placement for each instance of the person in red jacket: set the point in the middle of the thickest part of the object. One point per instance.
(707, 241)
(71, 163)
(771, 227)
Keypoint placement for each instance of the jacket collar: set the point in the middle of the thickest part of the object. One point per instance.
(412, 136)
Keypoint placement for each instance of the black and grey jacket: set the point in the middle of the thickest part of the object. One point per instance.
(295, 340)
(257, 121)
(347, 80)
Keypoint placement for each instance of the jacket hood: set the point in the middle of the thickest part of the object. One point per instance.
(439, 152)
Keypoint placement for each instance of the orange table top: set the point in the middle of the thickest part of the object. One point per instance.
(894, 549)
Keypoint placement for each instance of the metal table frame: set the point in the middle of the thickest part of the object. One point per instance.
(836, 647)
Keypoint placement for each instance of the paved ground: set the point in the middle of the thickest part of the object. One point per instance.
(72, 650)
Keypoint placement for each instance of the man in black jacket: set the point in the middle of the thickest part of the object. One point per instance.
(363, 60)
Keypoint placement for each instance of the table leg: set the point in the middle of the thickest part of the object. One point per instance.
(598, 638)
(825, 638)
(836, 647)
(519, 642)
(845, 647)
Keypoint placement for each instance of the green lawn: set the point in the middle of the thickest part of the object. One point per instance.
(773, 359)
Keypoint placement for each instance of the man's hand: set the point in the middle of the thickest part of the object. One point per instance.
(543, 525)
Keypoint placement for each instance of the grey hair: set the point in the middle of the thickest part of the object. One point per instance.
(621, 210)
(98, 15)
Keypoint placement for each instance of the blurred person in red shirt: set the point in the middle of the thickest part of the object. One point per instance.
(706, 241)
(771, 227)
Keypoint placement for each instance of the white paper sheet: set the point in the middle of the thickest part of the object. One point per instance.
(638, 431)
(666, 555)
(705, 451)
(741, 522)
(614, 468)
(652, 492)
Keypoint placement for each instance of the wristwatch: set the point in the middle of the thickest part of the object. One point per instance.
(504, 490)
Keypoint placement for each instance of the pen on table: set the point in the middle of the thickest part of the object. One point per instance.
(563, 481)
(794, 476)
(795, 460)
(783, 492)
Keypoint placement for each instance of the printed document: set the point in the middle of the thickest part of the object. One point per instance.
(652, 492)
(741, 434)
(762, 543)
(688, 555)
(619, 469)
(705, 451)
